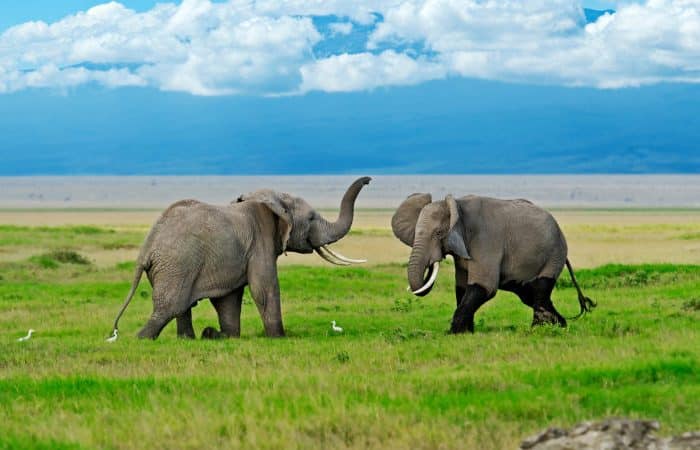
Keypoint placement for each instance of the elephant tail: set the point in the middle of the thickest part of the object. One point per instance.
(584, 302)
(134, 284)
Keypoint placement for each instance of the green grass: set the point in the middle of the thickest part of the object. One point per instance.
(393, 379)
(77, 236)
(621, 275)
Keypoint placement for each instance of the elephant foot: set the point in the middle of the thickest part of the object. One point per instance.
(211, 333)
(274, 330)
(458, 331)
(462, 326)
(275, 334)
(461, 330)
(186, 335)
(545, 317)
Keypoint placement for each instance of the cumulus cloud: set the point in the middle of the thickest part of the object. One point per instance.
(345, 73)
(268, 47)
(197, 46)
(549, 41)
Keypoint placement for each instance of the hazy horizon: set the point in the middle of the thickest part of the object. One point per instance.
(385, 191)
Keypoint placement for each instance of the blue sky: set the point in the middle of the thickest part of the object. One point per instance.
(219, 87)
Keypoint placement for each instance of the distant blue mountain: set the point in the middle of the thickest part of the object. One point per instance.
(449, 126)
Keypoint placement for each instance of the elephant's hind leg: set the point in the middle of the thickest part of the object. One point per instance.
(167, 304)
(228, 308)
(154, 326)
(544, 311)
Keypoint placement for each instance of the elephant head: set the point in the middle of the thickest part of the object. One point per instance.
(433, 230)
(303, 230)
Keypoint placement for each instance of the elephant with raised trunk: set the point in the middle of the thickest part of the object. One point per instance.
(196, 251)
(496, 244)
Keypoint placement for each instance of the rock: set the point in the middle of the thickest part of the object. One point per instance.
(610, 434)
(685, 441)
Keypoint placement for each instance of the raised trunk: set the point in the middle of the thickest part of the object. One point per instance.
(328, 232)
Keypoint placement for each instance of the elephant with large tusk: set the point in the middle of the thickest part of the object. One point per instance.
(196, 251)
(496, 244)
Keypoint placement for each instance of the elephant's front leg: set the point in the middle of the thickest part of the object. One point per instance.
(460, 282)
(265, 289)
(184, 325)
(463, 319)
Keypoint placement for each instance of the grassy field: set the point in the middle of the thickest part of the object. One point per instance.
(393, 379)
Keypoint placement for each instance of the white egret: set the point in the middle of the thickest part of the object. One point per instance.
(27, 337)
(114, 336)
(336, 328)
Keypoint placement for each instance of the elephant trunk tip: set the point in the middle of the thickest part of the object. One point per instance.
(330, 232)
(420, 286)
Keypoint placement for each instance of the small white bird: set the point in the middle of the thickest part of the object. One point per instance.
(27, 337)
(115, 335)
(336, 328)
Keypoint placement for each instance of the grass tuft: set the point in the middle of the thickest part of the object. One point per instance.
(692, 305)
(52, 259)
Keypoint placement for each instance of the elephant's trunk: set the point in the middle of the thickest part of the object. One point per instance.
(329, 232)
(417, 264)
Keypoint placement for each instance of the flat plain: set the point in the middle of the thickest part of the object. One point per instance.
(392, 379)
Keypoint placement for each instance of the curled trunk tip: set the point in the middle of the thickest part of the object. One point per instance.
(329, 232)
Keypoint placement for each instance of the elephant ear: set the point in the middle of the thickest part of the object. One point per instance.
(454, 243)
(275, 203)
(403, 223)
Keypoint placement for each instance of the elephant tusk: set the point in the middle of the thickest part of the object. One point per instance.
(429, 283)
(325, 256)
(343, 258)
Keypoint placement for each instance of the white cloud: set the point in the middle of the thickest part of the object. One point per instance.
(199, 47)
(345, 73)
(266, 47)
(547, 42)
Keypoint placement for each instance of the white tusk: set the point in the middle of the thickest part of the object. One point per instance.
(429, 283)
(323, 255)
(343, 258)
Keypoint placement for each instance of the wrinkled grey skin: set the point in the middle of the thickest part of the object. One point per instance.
(196, 251)
(496, 244)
